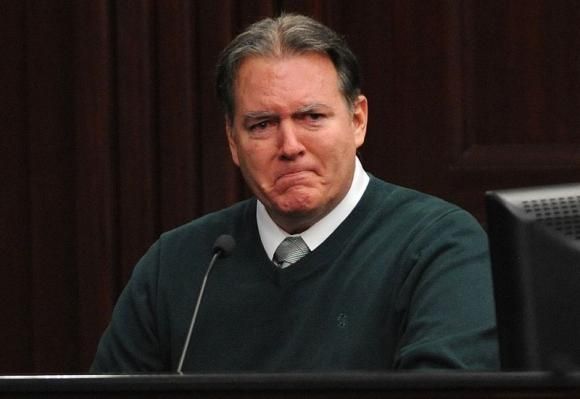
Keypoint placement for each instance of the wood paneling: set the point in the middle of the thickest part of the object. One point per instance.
(15, 198)
(111, 132)
(178, 84)
(96, 168)
(51, 164)
(521, 93)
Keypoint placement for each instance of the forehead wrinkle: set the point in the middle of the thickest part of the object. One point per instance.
(278, 91)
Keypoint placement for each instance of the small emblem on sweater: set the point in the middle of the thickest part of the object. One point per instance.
(342, 320)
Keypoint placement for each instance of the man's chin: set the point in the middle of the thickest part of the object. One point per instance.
(294, 210)
(298, 203)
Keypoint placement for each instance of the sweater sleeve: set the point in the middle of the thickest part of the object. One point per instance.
(130, 343)
(448, 295)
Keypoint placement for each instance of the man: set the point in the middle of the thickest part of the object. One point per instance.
(389, 279)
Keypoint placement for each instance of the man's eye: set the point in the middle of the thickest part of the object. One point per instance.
(313, 117)
(260, 126)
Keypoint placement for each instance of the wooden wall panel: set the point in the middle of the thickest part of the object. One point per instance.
(110, 132)
(136, 118)
(521, 96)
(96, 169)
(52, 289)
(14, 210)
(524, 81)
(220, 181)
(177, 71)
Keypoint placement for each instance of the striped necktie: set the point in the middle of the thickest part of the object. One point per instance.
(291, 250)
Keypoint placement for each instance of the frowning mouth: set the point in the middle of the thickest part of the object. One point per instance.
(292, 173)
(286, 180)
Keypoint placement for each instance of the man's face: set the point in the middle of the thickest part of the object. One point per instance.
(294, 137)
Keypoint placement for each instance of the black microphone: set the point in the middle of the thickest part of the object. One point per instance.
(223, 246)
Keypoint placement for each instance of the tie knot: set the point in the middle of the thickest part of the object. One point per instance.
(291, 250)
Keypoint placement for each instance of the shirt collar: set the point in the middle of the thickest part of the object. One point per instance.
(272, 235)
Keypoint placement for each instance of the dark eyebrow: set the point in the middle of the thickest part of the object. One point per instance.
(262, 115)
(259, 115)
(315, 107)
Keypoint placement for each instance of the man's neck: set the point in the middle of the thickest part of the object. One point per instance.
(271, 234)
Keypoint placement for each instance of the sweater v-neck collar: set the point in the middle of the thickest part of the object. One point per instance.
(318, 259)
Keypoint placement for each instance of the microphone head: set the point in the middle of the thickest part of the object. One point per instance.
(224, 244)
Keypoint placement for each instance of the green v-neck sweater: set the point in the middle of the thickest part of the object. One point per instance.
(403, 283)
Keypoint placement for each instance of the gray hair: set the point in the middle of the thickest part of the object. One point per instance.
(287, 34)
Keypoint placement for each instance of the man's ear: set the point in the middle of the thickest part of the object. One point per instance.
(359, 119)
(231, 141)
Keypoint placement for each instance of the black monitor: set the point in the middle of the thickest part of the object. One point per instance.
(534, 236)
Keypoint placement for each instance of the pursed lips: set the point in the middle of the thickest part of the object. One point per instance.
(291, 177)
(292, 172)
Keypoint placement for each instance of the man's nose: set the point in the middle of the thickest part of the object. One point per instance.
(289, 140)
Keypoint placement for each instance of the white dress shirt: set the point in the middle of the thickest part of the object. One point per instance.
(272, 235)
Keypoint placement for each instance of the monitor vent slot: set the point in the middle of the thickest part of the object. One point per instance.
(561, 214)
